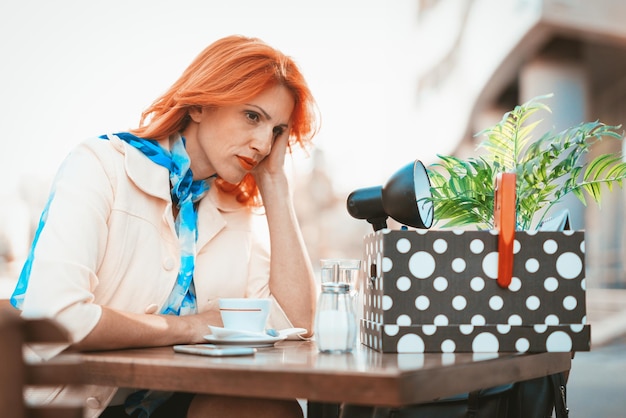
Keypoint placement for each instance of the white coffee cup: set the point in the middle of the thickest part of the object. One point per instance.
(248, 314)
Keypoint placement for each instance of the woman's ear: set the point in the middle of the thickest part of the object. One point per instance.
(195, 113)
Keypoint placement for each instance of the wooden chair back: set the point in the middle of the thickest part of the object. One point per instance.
(18, 373)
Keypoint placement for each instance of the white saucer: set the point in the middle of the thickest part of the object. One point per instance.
(246, 341)
(219, 332)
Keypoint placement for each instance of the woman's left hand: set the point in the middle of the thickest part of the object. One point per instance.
(292, 281)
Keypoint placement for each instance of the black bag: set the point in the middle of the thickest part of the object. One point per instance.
(536, 398)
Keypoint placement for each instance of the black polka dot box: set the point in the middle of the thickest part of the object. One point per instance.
(436, 291)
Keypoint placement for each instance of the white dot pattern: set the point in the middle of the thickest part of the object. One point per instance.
(440, 284)
(438, 289)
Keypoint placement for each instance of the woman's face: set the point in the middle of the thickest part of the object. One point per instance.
(232, 140)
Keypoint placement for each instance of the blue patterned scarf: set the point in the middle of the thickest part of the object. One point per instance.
(185, 192)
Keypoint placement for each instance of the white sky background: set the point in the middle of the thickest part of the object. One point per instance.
(75, 69)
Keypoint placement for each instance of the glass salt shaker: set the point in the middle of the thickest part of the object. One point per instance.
(335, 320)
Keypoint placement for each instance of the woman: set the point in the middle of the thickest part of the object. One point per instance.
(145, 230)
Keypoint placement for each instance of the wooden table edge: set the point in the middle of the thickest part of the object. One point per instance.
(407, 387)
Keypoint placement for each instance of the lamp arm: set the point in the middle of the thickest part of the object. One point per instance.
(378, 223)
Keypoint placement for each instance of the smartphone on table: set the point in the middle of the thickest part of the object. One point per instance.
(213, 350)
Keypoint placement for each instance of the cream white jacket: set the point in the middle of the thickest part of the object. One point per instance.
(109, 239)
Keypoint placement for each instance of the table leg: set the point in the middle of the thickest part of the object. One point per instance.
(322, 410)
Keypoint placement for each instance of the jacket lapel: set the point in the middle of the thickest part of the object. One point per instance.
(154, 180)
(210, 220)
(151, 178)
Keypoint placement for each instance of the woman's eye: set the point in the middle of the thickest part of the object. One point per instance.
(253, 116)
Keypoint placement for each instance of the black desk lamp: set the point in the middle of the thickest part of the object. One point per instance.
(405, 197)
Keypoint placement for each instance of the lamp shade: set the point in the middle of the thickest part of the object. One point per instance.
(405, 198)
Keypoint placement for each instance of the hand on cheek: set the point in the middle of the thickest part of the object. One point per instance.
(275, 161)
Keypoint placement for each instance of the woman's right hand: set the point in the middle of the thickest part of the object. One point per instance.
(200, 324)
(120, 329)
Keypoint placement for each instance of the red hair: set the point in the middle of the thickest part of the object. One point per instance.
(232, 71)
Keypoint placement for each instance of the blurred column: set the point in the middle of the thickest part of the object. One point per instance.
(561, 70)
(558, 72)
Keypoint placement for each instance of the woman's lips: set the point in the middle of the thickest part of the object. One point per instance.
(246, 163)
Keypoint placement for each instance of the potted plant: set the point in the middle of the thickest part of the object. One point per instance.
(547, 169)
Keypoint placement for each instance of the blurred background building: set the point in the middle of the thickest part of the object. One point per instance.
(504, 53)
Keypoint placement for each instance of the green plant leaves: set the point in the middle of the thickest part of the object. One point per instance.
(547, 168)
(505, 142)
(465, 196)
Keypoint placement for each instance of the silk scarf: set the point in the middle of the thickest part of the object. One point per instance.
(185, 192)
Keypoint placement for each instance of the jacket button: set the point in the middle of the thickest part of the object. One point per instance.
(152, 308)
(169, 263)
(92, 402)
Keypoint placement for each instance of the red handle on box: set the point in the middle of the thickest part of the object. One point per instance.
(504, 215)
